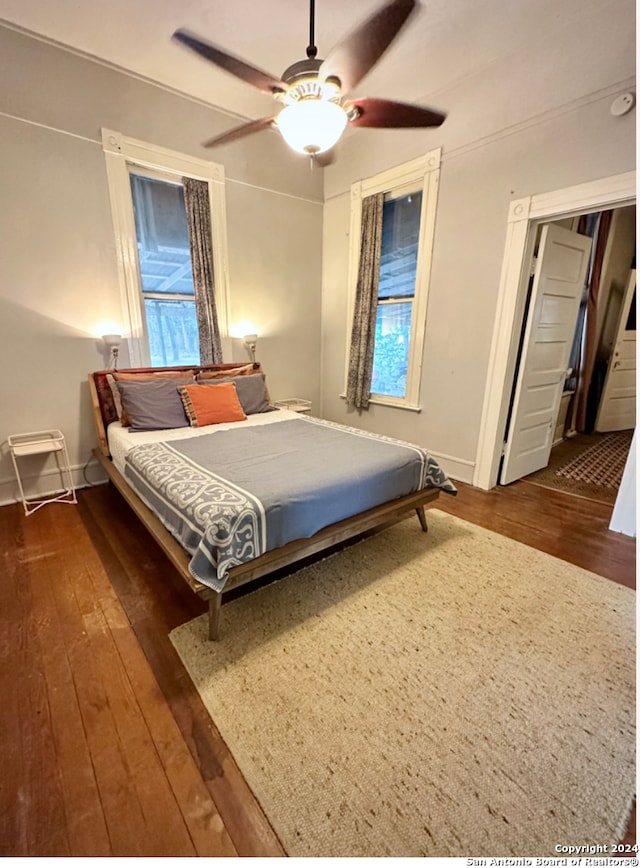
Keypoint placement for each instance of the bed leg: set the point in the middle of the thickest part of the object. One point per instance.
(214, 617)
(422, 517)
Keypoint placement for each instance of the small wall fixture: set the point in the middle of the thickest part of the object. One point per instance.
(622, 104)
(250, 342)
(112, 342)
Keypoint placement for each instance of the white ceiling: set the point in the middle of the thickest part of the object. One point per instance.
(445, 42)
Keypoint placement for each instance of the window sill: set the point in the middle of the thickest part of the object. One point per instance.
(389, 402)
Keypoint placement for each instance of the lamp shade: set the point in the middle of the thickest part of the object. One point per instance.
(312, 126)
(112, 340)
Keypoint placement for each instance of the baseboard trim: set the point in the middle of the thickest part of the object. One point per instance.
(49, 482)
(458, 469)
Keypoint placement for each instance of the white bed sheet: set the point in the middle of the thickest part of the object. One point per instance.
(121, 440)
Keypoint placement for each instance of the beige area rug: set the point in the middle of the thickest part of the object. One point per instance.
(449, 694)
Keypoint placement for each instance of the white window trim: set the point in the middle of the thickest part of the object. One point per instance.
(425, 172)
(122, 153)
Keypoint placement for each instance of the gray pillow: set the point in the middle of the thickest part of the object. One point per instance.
(252, 392)
(152, 405)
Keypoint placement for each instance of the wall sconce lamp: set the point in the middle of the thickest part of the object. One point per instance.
(112, 342)
(250, 342)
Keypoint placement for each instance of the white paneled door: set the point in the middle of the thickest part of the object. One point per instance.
(561, 269)
(617, 410)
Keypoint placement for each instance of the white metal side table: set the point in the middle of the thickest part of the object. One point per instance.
(37, 443)
(298, 405)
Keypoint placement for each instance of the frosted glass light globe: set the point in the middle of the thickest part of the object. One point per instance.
(312, 126)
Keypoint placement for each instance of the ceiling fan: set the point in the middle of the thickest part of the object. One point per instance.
(314, 113)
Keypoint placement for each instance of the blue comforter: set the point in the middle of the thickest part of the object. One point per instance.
(232, 495)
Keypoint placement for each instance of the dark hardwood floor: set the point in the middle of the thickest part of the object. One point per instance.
(106, 747)
(570, 528)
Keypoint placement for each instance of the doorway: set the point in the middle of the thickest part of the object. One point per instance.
(572, 409)
(524, 217)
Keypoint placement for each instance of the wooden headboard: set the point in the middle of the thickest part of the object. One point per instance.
(104, 409)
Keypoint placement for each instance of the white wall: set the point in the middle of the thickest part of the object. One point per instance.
(623, 518)
(535, 121)
(58, 270)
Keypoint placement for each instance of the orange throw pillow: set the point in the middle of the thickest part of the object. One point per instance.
(211, 405)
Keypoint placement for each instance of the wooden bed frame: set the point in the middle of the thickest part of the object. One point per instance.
(291, 553)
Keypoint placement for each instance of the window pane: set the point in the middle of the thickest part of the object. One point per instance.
(391, 354)
(163, 236)
(173, 332)
(398, 267)
(399, 252)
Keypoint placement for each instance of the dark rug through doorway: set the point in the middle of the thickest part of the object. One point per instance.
(587, 465)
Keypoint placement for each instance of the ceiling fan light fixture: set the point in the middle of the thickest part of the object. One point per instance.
(312, 126)
(312, 90)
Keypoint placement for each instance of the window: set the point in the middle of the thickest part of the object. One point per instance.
(164, 265)
(396, 293)
(152, 238)
(410, 193)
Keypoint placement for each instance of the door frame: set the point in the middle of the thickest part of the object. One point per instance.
(523, 220)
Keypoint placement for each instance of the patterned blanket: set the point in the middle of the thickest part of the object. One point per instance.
(230, 496)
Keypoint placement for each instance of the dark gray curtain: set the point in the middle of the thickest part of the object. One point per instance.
(196, 199)
(364, 315)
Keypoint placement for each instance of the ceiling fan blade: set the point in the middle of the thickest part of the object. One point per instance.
(351, 59)
(240, 132)
(381, 113)
(251, 74)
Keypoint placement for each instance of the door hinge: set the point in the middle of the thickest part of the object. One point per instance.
(504, 449)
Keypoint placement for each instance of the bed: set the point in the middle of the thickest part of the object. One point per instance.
(257, 490)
